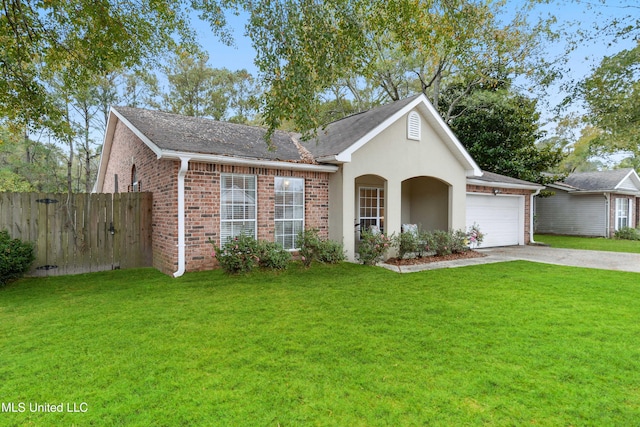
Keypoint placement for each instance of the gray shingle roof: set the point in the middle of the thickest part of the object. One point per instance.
(597, 181)
(491, 177)
(206, 136)
(341, 134)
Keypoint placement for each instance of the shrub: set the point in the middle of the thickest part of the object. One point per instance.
(408, 243)
(627, 233)
(313, 248)
(373, 247)
(309, 243)
(442, 242)
(272, 255)
(16, 257)
(459, 241)
(238, 255)
(330, 252)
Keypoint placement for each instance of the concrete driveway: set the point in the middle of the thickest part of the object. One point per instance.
(571, 257)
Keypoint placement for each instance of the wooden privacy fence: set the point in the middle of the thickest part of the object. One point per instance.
(81, 233)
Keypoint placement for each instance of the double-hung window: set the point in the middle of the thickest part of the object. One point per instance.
(622, 213)
(289, 214)
(238, 204)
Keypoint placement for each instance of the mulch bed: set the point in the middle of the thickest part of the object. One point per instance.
(428, 259)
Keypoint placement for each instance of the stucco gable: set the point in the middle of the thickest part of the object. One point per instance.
(339, 140)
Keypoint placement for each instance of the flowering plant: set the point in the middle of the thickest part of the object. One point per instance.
(474, 236)
(372, 247)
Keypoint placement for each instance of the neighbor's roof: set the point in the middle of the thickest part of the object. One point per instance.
(173, 132)
(602, 180)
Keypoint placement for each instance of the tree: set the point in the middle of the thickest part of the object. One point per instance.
(196, 89)
(499, 130)
(78, 40)
(305, 47)
(612, 96)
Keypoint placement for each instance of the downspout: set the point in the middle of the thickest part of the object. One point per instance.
(531, 215)
(184, 166)
(607, 216)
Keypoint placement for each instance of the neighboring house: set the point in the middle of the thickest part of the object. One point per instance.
(590, 204)
(393, 165)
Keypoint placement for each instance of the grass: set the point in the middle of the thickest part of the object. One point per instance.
(590, 243)
(498, 344)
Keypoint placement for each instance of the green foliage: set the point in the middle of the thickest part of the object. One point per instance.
(272, 255)
(330, 252)
(407, 243)
(500, 130)
(244, 253)
(373, 247)
(304, 49)
(628, 233)
(78, 41)
(16, 257)
(313, 248)
(238, 255)
(612, 95)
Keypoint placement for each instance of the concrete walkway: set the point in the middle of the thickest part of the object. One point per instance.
(571, 257)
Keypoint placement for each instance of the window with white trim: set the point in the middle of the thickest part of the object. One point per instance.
(289, 215)
(238, 206)
(371, 209)
(413, 126)
(622, 213)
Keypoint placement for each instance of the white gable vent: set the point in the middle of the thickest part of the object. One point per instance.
(413, 126)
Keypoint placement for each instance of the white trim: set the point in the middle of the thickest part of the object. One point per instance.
(276, 220)
(634, 177)
(184, 167)
(414, 126)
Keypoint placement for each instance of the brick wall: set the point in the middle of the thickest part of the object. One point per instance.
(202, 206)
(156, 176)
(527, 204)
(202, 200)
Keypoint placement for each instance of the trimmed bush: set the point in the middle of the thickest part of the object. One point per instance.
(16, 257)
(330, 252)
(272, 256)
(627, 233)
(309, 243)
(238, 255)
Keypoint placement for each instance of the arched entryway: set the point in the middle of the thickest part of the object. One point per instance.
(426, 203)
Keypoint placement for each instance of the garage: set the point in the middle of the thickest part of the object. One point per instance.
(500, 218)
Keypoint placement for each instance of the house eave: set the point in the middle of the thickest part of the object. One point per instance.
(241, 161)
(504, 185)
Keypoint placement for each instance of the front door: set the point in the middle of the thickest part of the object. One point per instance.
(371, 209)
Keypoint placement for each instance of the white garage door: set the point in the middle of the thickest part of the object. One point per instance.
(500, 218)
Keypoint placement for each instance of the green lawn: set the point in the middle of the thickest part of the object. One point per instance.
(499, 344)
(590, 243)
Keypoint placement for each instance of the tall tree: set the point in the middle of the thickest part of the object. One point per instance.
(305, 47)
(77, 40)
(500, 130)
(612, 96)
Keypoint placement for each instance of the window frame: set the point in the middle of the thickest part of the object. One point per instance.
(248, 209)
(623, 212)
(296, 210)
(380, 208)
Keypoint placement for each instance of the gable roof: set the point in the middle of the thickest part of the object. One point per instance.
(339, 140)
(174, 132)
(617, 180)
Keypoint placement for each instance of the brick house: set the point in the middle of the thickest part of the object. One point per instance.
(393, 165)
